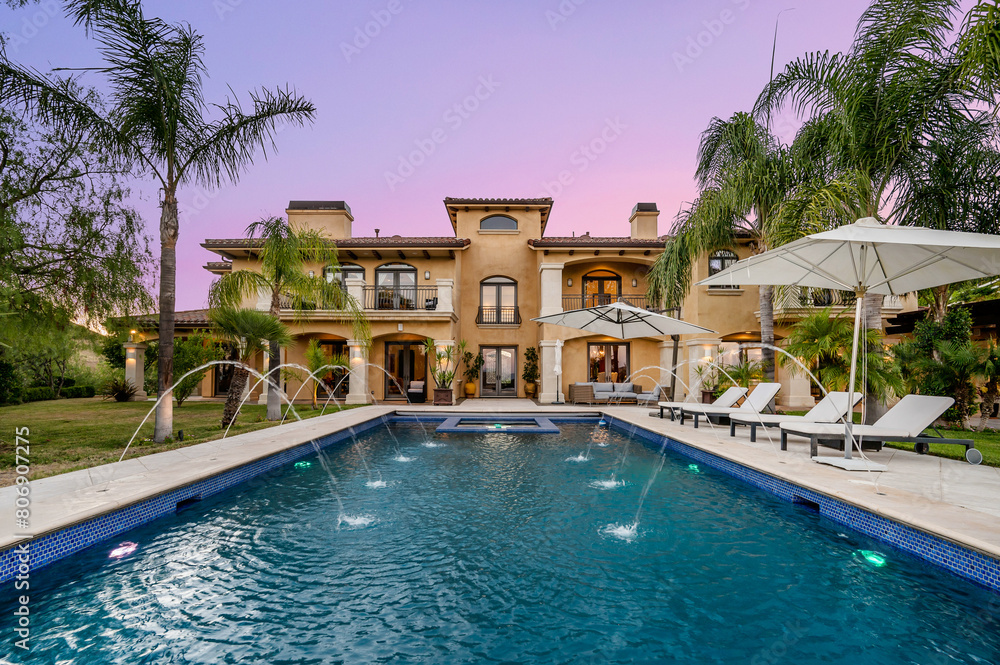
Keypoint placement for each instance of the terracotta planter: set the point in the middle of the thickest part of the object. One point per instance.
(442, 397)
(530, 389)
(707, 396)
(470, 390)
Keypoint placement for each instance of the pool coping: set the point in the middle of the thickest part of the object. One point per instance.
(146, 487)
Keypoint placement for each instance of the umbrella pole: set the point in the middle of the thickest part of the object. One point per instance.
(849, 425)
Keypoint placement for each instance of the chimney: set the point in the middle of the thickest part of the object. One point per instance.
(644, 221)
(332, 218)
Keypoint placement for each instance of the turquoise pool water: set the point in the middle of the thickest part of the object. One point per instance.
(494, 548)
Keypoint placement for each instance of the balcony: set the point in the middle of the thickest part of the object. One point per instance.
(577, 301)
(802, 301)
(405, 298)
(498, 316)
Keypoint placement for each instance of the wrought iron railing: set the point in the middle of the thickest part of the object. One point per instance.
(578, 301)
(499, 316)
(796, 297)
(403, 298)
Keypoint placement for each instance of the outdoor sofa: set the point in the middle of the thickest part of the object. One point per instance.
(830, 409)
(903, 423)
(729, 398)
(758, 400)
(603, 392)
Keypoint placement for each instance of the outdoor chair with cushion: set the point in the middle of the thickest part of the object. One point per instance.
(903, 423)
(758, 400)
(726, 399)
(415, 392)
(647, 398)
(830, 409)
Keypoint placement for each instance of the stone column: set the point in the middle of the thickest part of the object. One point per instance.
(795, 389)
(445, 295)
(699, 351)
(356, 289)
(548, 389)
(266, 368)
(667, 363)
(551, 287)
(135, 368)
(358, 383)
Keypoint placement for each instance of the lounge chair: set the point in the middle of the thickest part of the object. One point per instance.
(904, 423)
(755, 403)
(830, 409)
(728, 398)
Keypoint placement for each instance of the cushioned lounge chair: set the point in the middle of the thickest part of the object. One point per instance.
(758, 400)
(726, 399)
(831, 409)
(903, 423)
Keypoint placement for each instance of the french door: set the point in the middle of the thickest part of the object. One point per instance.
(499, 374)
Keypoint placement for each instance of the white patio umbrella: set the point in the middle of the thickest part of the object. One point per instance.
(869, 257)
(622, 321)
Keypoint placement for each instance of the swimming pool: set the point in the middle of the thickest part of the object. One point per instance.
(493, 547)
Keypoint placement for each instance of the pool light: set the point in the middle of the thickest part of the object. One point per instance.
(498, 426)
(874, 558)
(693, 468)
(123, 550)
(303, 465)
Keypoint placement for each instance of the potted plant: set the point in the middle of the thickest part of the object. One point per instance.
(707, 380)
(473, 365)
(530, 372)
(441, 363)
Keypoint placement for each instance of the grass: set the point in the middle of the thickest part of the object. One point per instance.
(988, 442)
(71, 434)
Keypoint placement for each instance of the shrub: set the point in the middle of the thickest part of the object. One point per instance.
(10, 383)
(76, 392)
(121, 389)
(38, 394)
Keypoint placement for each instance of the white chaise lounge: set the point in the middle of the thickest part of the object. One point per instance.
(758, 400)
(831, 409)
(905, 423)
(726, 399)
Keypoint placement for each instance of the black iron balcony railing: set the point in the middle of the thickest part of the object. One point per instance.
(499, 316)
(577, 301)
(796, 297)
(403, 298)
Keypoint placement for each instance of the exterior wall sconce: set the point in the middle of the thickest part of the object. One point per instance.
(311, 274)
(427, 274)
(635, 282)
(569, 281)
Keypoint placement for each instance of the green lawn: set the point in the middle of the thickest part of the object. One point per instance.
(71, 434)
(987, 442)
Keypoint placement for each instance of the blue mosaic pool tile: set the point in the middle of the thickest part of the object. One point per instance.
(975, 566)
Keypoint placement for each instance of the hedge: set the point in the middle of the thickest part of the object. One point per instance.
(79, 391)
(38, 394)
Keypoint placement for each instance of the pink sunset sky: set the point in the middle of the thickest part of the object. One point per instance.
(468, 98)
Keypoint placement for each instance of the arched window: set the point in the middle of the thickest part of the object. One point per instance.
(342, 272)
(718, 261)
(601, 287)
(498, 301)
(498, 223)
(396, 286)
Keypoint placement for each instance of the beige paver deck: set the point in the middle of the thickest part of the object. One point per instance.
(948, 498)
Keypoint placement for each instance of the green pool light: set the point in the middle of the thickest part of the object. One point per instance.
(874, 558)
(693, 468)
(498, 426)
(303, 465)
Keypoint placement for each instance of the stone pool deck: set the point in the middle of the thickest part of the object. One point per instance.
(947, 498)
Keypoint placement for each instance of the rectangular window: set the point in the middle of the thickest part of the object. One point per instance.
(608, 362)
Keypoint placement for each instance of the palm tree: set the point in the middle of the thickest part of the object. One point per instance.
(991, 387)
(316, 360)
(285, 256)
(744, 174)
(248, 330)
(157, 124)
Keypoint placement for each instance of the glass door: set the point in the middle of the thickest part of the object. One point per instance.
(499, 374)
(601, 287)
(405, 362)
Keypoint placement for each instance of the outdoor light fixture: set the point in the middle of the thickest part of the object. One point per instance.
(311, 274)
(131, 334)
(303, 465)
(635, 282)
(693, 468)
(569, 281)
(427, 274)
(123, 550)
(874, 558)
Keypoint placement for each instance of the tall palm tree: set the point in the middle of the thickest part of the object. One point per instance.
(285, 256)
(158, 123)
(248, 330)
(744, 174)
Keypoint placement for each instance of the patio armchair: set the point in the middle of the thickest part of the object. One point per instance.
(726, 399)
(758, 400)
(903, 423)
(831, 409)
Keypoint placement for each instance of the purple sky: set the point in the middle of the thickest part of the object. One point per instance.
(628, 79)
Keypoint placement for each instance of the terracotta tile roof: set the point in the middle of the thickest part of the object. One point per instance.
(219, 266)
(546, 201)
(597, 241)
(187, 319)
(353, 243)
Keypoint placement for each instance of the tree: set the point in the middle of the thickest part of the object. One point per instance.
(744, 174)
(285, 255)
(157, 124)
(41, 347)
(69, 240)
(316, 359)
(248, 330)
(991, 381)
(191, 352)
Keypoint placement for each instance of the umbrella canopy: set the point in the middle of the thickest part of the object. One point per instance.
(622, 321)
(869, 257)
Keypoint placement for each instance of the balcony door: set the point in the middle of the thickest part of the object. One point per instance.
(498, 301)
(499, 374)
(396, 286)
(601, 287)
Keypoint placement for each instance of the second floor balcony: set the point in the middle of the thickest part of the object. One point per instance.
(405, 298)
(579, 301)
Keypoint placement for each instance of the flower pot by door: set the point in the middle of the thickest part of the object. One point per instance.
(442, 396)
(470, 389)
(529, 389)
